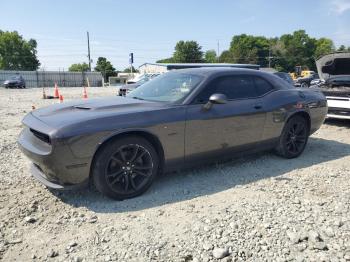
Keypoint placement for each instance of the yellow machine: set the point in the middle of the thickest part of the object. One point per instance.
(301, 72)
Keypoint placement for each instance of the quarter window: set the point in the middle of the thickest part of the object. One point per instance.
(262, 86)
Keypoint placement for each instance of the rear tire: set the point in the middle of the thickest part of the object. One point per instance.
(293, 138)
(125, 168)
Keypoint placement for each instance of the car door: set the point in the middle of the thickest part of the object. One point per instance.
(224, 128)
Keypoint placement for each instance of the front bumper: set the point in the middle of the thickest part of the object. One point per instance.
(338, 107)
(54, 164)
(41, 177)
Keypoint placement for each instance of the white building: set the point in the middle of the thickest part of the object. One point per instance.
(158, 68)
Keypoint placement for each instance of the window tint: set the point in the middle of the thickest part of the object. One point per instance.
(262, 86)
(234, 87)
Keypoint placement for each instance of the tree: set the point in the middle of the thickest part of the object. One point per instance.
(323, 46)
(16, 53)
(188, 52)
(83, 67)
(341, 48)
(250, 49)
(226, 57)
(210, 56)
(297, 49)
(105, 67)
(166, 60)
(127, 70)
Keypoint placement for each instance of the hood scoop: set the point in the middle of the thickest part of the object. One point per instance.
(83, 107)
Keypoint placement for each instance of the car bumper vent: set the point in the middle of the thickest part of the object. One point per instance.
(41, 136)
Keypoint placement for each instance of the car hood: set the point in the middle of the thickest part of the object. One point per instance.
(11, 81)
(333, 65)
(86, 112)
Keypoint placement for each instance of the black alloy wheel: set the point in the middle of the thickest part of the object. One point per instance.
(293, 138)
(125, 168)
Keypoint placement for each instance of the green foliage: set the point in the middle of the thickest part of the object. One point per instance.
(83, 67)
(323, 46)
(343, 48)
(105, 67)
(188, 52)
(166, 60)
(127, 70)
(16, 53)
(210, 56)
(226, 57)
(283, 53)
(248, 49)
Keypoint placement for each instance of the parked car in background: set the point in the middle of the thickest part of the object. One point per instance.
(334, 70)
(16, 81)
(125, 89)
(316, 82)
(285, 76)
(305, 82)
(179, 119)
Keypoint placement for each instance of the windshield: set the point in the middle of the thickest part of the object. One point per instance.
(169, 87)
(15, 78)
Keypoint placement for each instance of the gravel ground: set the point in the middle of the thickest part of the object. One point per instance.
(256, 208)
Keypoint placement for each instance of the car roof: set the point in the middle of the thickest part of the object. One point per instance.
(214, 71)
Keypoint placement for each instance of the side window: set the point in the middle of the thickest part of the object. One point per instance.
(234, 87)
(262, 86)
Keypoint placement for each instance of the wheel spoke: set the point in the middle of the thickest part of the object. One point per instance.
(143, 167)
(140, 156)
(140, 173)
(132, 182)
(114, 174)
(133, 157)
(116, 179)
(122, 154)
(117, 160)
(126, 183)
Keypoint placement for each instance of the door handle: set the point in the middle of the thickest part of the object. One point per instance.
(257, 107)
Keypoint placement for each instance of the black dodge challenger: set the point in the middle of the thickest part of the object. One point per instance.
(180, 119)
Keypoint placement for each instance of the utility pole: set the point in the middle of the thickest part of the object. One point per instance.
(88, 42)
(218, 54)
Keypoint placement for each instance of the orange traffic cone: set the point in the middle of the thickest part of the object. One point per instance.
(56, 94)
(85, 93)
(44, 94)
(61, 98)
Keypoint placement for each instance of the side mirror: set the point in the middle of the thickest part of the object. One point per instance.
(215, 99)
(218, 99)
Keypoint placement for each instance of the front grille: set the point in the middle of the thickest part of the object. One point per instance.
(41, 136)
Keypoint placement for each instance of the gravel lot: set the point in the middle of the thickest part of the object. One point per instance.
(256, 208)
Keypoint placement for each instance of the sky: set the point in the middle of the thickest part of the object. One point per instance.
(150, 29)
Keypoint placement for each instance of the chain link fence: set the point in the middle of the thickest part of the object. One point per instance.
(49, 78)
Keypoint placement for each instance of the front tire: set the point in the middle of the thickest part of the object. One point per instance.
(304, 85)
(293, 138)
(125, 168)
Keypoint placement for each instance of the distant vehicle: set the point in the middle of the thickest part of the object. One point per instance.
(179, 119)
(306, 81)
(334, 71)
(285, 76)
(316, 82)
(125, 89)
(16, 81)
